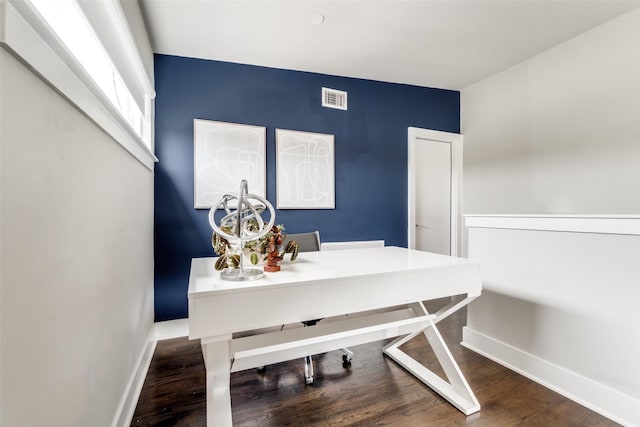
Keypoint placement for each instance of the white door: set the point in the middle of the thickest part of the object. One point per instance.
(434, 178)
(433, 196)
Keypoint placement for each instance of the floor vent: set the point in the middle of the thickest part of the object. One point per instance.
(334, 98)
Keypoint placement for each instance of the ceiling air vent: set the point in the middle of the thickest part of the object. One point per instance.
(334, 98)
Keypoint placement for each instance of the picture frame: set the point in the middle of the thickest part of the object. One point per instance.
(224, 154)
(305, 170)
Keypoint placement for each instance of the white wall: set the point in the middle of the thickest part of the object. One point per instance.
(560, 132)
(77, 260)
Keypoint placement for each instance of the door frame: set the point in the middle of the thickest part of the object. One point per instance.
(455, 140)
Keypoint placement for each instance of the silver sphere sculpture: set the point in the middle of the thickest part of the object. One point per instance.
(242, 222)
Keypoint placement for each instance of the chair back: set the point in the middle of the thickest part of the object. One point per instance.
(307, 242)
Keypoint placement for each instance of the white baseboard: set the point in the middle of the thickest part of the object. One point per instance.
(159, 331)
(172, 329)
(617, 406)
(127, 407)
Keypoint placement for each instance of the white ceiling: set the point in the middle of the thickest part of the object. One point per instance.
(447, 44)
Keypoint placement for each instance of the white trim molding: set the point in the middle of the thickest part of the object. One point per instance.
(358, 244)
(604, 224)
(26, 35)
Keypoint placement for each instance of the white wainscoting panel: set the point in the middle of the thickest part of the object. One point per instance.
(560, 304)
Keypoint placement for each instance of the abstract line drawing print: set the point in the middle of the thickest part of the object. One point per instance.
(305, 170)
(225, 154)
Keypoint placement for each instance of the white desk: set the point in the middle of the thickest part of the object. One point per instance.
(324, 284)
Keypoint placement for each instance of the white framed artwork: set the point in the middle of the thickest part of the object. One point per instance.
(225, 154)
(305, 171)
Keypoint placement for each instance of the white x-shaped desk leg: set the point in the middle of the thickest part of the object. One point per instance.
(457, 390)
(218, 359)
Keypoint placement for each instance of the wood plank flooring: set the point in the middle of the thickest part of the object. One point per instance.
(374, 391)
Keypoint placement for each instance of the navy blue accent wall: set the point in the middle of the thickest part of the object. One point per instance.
(370, 153)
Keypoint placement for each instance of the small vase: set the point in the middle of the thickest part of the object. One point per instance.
(271, 266)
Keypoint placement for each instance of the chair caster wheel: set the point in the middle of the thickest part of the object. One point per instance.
(308, 380)
(346, 361)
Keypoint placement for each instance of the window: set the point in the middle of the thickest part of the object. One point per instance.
(118, 93)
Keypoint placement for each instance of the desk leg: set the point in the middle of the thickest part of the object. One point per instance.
(218, 365)
(457, 390)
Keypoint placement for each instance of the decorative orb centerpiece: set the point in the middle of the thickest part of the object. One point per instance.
(241, 223)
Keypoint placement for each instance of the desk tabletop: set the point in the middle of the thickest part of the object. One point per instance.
(324, 284)
(321, 266)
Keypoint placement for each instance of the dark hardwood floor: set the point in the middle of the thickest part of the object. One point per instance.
(375, 391)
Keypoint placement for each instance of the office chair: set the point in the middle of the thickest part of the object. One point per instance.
(310, 242)
(307, 242)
